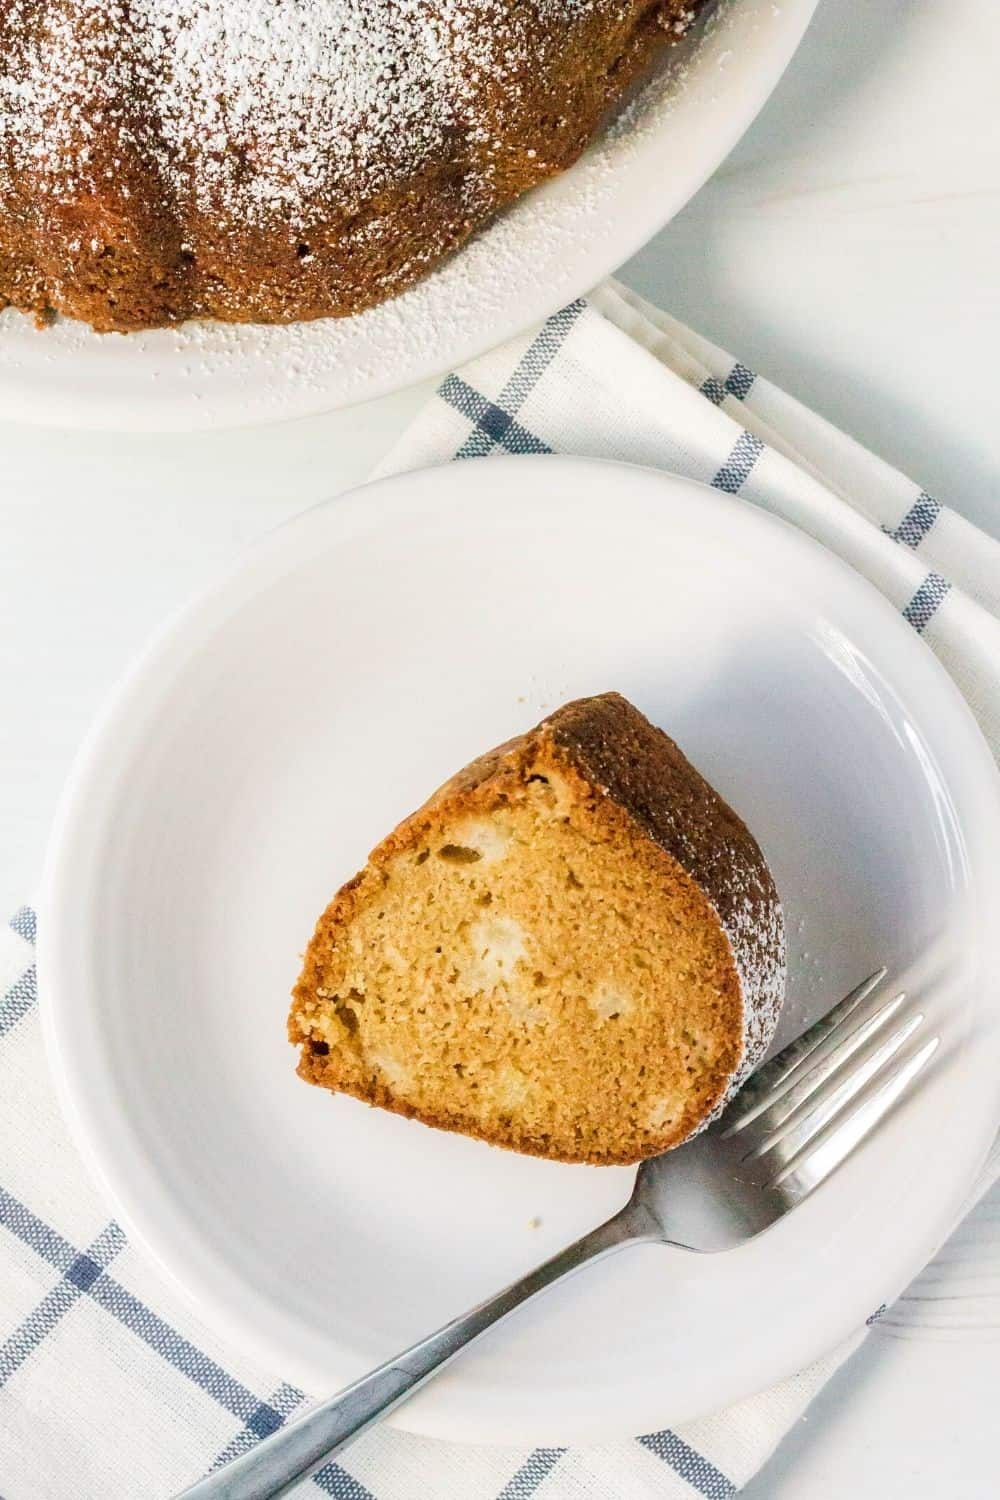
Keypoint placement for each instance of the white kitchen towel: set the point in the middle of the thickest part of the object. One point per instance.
(110, 1387)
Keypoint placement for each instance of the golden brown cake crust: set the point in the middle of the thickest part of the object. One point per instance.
(170, 159)
(636, 787)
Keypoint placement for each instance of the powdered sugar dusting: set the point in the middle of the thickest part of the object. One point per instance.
(275, 101)
(754, 923)
(571, 233)
(261, 107)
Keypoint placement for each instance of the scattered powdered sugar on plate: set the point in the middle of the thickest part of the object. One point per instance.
(546, 249)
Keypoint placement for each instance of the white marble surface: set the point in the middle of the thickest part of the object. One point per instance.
(848, 249)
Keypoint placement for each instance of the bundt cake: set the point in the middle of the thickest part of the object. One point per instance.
(574, 949)
(271, 160)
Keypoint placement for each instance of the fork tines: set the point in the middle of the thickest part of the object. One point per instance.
(804, 1120)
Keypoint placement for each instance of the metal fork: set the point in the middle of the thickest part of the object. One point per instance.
(796, 1120)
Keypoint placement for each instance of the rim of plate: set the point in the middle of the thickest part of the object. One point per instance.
(71, 1017)
(573, 231)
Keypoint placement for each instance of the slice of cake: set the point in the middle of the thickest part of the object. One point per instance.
(574, 949)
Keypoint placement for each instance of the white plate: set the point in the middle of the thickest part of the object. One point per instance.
(282, 724)
(571, 233)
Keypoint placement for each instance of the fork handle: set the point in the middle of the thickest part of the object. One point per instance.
(294, 1452)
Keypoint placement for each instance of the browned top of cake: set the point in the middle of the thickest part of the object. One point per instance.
(280, 159)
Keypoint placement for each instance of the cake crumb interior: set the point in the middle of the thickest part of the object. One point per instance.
(531, 976)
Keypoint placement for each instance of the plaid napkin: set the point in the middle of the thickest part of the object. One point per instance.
(110, 1388)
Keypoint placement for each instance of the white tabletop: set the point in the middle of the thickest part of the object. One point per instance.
(848, 250)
